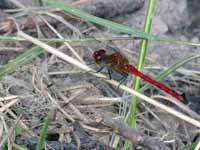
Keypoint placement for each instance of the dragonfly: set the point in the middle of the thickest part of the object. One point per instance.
(118, 62)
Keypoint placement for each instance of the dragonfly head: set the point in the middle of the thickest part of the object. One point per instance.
(99, 55)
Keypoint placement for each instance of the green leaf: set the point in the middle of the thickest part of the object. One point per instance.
(18, 130)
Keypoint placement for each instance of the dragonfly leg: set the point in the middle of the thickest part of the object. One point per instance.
(100, 69)
(109, 73)
(123, 79)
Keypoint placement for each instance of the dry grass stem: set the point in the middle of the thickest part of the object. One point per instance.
(180, 105)
(64, 72)
(60, 36)
(8, 105)
(75, 87)
(69, 117)
(94, 129)
(71, 106)
(21, 123)
(14, 49)
(101, 100)
(9, 132)
(8, 98)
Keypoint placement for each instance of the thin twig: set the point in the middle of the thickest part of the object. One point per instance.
(8, 98)
(180, 105)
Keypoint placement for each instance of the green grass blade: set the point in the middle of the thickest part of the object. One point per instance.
(189, 147)
(19, 147)
(43, 132)
(141, 61)
(14, 38)
(131, 117)
(171, 69)
(112, 25)
(10, 38)
(20, 60)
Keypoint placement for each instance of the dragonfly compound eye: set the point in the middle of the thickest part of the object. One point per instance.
(98, 57)
(101, 52)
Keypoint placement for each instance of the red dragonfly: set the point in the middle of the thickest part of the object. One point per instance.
(120, 63)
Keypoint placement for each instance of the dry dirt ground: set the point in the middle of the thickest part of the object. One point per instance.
(77, 100)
